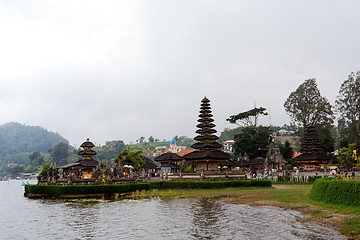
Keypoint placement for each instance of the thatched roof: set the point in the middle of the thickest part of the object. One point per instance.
(168, 157)
(312, 157)
(87, 143)
(206, 145)
(91, 152)
(81, 163)
(148, 163)
(213, 154)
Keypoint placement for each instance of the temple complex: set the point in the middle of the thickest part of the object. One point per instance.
(208, 156)
(312, 155)
(85, 166)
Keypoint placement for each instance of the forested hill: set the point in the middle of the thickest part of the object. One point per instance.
(18, 140)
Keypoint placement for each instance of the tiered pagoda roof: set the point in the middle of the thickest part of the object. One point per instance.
(207, 146)
(311, 150)
(86, 154)
(87, 146)
(168, 157)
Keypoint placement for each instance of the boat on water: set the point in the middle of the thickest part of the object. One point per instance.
(23, 184)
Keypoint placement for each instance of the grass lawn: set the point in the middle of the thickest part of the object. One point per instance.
(294, 197)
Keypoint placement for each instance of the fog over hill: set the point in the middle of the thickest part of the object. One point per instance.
(18, 140)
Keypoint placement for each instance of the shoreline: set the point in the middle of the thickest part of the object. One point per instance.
(287, 197)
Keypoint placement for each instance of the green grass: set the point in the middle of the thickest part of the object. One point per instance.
(351, 226)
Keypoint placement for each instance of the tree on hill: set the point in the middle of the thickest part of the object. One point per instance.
(229, 134)
(18, 141)
(109, 151)
(16, 170)
(59, 153)
(36, 160)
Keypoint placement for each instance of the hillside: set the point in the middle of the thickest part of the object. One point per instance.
(17, 141)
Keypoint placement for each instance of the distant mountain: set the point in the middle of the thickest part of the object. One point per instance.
(17, 141)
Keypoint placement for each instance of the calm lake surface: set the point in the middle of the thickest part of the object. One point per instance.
(22, 218)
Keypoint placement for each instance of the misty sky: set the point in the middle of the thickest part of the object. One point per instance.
(119, 70)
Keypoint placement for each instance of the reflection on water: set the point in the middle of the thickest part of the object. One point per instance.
(205, 223)
(23, 218)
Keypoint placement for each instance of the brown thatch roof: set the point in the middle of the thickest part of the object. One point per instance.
(87, 143)
(91, 152)
(205, 125)
(168, 157)
(211, 137)
(148, 163)
(88, 162)
(312, 157)
(214, 154)
(201, 131)
(247, 163)
(81, 163)
(206, 145)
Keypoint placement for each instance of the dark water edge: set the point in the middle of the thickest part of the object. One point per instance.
(23, 218)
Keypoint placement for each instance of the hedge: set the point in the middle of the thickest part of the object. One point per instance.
(334, 191)
(57, 190)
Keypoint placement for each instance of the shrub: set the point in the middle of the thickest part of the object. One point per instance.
(336, 191)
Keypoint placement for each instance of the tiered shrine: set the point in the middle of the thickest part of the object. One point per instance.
(84, 167)
(208, 156)
(312, 155)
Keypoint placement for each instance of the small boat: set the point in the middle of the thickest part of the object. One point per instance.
(23, 184)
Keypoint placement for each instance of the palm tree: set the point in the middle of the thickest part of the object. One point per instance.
(128, 157)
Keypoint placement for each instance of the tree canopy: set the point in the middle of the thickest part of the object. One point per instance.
(129, 157)
(346, 156)
(348, 105)
(306, 105)
(59, 153)
(18, 141)
(248, 118)
(253, 141)
(286, 150)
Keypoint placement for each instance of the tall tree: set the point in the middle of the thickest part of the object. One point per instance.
(306, 105)
(286, 150)
(253, 141)
(129, 157)
(348, 105)
(248, 118)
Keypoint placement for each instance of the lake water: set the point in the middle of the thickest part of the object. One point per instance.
(22, 218)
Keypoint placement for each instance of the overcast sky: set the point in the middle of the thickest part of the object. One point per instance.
(119, 70)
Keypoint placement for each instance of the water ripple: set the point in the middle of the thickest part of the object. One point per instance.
(195, 219)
